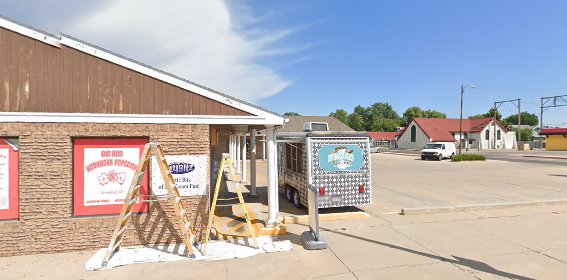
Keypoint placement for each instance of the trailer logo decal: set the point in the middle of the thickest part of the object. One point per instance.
(341, 158)
(338, 158)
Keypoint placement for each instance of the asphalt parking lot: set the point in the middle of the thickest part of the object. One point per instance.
(507, 243)
(405, 181)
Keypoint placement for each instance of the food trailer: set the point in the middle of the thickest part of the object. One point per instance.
(336, 164)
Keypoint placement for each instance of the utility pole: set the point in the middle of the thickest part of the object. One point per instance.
(515, 102)
(541, 124)
(550, 102)
(519, 122)
(461, 119)
(495, 113)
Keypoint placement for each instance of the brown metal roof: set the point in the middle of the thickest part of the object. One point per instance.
(295, 123)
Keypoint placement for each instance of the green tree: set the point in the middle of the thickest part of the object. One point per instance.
(380, 110)
(383, 110)
(489, 114)
(359, 110)
(477, 116)
(356, 122)
(432, 114)
(527, 119)
(382, 124)
(287, 114)
(340, 115)
(411, 113)
(525, 132)
(416, 112)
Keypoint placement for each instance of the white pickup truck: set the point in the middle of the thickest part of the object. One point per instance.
(438, 150)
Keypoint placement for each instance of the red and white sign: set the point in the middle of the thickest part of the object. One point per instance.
(9, 208)
(4, 178)
(104, 169)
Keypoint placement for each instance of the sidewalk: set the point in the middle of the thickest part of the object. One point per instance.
(518, 243)
(523, 243)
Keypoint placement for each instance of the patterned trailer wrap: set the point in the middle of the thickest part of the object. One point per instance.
(342, 167)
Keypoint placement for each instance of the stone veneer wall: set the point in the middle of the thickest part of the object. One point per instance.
(46, 223)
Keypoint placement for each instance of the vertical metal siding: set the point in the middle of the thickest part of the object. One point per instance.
(36, 77)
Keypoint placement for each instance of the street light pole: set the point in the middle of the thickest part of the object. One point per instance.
(461, 120)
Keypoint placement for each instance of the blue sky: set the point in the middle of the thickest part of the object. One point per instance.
(418, 53)
(315, 56)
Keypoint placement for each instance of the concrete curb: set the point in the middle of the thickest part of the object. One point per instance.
(303, 219)
(400, 154)
(548, 157)
(466, 208)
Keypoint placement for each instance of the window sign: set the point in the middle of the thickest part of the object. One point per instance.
(104, 169)
(9, 204)
(189, 173)
(4, 178)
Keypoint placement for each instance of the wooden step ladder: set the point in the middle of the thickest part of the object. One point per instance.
(131, 198)
(227, 162)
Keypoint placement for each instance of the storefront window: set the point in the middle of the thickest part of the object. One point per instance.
(294, 157)
(103, 172)
(9, 170)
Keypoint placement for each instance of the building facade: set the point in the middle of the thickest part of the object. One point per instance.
(556, 139)
(74, 119)
(477, 134)
(384, 139)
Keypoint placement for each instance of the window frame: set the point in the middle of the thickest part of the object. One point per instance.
(294, 157)
(13, 211)
(413, 134)
(79, 145)
(487, 134)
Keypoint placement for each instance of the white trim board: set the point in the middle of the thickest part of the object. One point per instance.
(45, 38)
(9, 117)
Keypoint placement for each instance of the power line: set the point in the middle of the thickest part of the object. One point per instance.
(522, 88)
(515, 102)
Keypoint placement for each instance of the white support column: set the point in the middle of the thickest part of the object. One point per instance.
(264, 147)
(243, 152)
(276, 174)
(253, 164)
(237, 161)
(231, 147)
(272, 178)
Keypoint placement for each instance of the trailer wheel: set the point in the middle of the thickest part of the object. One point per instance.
(289, 193)
(296, 199)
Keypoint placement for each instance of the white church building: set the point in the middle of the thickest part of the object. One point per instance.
(478, 134)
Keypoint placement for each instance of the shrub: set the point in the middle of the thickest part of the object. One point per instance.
(468, 157)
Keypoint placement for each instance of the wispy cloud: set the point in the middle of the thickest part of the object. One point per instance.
(204, 41)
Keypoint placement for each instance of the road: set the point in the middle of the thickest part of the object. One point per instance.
(405, 181)
(536, 156)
